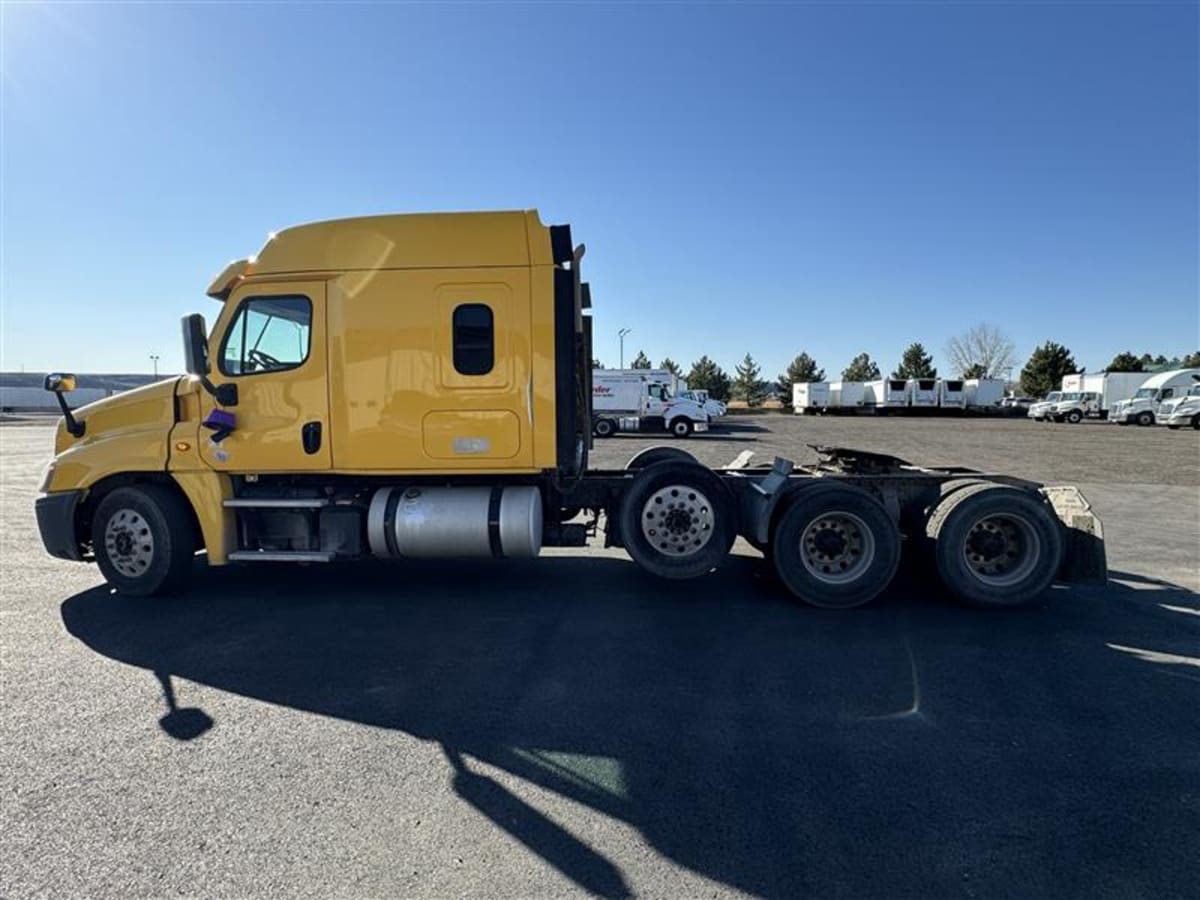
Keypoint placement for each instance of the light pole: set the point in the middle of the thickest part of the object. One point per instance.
(621, 337)
(154, 359)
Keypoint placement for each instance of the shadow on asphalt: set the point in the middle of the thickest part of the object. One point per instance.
(909, 747)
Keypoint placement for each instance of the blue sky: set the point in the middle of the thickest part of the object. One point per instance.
(776, 178)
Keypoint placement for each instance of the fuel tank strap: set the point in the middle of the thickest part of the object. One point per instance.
(493, 516)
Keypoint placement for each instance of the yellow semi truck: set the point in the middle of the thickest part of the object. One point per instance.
(411, 386)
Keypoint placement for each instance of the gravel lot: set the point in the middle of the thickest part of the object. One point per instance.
(569, 726)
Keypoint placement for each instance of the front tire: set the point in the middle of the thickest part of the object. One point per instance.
(835, 546)
(1144, 419)
(144, 540)
(995, 545)
(1074, 417)
(681, 428)
(1196, 422)
(677, 520)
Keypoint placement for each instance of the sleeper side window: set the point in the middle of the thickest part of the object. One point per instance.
(268, 334)
(474, 338)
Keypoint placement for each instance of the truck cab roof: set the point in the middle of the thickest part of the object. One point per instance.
(408, 241)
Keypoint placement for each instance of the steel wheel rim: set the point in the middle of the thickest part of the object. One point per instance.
(837, 547)
(677, 520)
(129, 543)
(1002, 549)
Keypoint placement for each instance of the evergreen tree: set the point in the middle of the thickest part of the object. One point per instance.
(596, 364)
(748, 385)
(1127, 362)
(801, 369)
(975, 370)
(671, 366)
(1045, 370)
(861, 368)
(915, 363)
(706, 375)
(1191, 361)
(641, 361)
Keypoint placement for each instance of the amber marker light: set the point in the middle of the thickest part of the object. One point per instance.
(182, 446)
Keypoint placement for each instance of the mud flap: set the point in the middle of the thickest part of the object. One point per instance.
(1084, 559)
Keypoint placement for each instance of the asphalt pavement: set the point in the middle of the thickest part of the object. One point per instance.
(570, 726)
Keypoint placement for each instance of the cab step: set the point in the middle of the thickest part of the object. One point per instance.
(276, 503)
(302, 556)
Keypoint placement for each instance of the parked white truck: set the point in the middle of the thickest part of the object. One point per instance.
(1092, 395)
(1141, 408)
(1181, 412)
(983, 393)
(810, 397)
(625, 401)
(714, 408)
(846, 396)
(1040, 411)
(922, 393)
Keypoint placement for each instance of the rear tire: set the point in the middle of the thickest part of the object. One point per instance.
(681, 428)
(995, 545)
(834, 546)
(677, 520)
(1144, 419)
(144, 540)
(604, 428)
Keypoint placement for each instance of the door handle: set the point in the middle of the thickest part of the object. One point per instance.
(310, 436)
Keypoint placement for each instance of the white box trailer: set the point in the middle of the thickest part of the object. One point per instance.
(810, 397)
(983, 393)
(922, 393)
(888, 395)
(951, 394)
(846, 396)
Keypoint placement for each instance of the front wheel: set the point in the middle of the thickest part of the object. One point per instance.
(994, 545)
(681, 428)
(1074, 417)
(1144, 419)
(835, 546)
(677, 520)
(144, 540)
(1196, 422)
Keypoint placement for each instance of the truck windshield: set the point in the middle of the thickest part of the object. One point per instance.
(1070, 395)
(1144, 393)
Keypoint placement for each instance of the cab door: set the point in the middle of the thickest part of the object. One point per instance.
(270, 341)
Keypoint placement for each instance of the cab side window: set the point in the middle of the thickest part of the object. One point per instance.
(268, 334)
(474, 337)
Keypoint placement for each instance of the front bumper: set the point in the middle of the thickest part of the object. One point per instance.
(56, 522)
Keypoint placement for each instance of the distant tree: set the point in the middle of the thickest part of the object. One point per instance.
(748, 385)
(1045, 370)
(706, 375)
(596, 364)
(1191, 361)
(671, 366)
(983, 348)
(861, 368)
(801, 369)
(641, 361)
(1127, 362)
(915, 363)
(975, 371)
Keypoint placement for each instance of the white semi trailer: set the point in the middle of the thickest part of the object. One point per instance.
(952, 396)
(922, 393)
(887, 396)
(809, 397)
(983, 393)
(846, 396)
